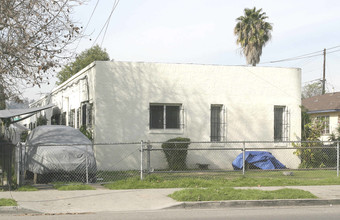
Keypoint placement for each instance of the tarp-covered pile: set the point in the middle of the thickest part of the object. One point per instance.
(258, 159)
(58, 148)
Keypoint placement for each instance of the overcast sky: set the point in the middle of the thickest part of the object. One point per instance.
(201, 31)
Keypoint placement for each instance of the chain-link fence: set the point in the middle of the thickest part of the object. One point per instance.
(107, 162)
(239, 158)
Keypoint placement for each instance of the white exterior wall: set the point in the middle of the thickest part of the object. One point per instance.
(121, 93)
(70, 94)
(124, 91)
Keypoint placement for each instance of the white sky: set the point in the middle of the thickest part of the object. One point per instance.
(201, 31)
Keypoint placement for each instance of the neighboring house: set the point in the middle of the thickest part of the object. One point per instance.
(325, 108)
(133, 101)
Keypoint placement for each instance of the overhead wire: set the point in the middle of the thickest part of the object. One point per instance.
(106, 24)
(88, 22)
(304, 56)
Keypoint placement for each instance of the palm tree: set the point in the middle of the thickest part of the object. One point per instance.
(252, 32)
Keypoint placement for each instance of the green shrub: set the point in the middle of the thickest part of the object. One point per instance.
(312, 153)
(41, 120)
(175, 151)
(86, 132)
(8, 202)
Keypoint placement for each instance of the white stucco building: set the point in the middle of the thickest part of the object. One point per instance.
(133, 101)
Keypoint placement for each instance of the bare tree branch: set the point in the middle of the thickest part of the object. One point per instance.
(34, 35)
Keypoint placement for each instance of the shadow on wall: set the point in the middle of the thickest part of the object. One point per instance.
(125, 101)
(125, 91)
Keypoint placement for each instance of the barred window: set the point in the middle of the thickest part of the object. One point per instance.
(83, 114)
(63, 118)
(55, 119)
(78, 118)
(86, 114)
(281, 123)
(165, 116)
(216, 123)
(71, 118)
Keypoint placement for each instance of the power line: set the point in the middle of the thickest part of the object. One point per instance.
(114, 7)
(106, 24)
(304, 56)
(88, 22)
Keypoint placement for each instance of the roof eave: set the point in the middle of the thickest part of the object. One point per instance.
(323, 111)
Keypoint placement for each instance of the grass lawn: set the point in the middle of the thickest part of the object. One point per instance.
(27, 188)
(218, 194)
(252, 178)
(72, 186)
(8, 202)
(219, 187)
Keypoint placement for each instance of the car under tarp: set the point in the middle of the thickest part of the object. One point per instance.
(56, 148)
(257, 160)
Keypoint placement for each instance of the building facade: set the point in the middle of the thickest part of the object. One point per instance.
(133, 101)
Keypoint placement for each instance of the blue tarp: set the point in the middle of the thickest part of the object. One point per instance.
(260, 159)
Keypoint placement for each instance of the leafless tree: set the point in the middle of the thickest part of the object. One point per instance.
(33, 37)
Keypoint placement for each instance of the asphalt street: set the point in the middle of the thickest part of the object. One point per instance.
(87, 203)
(253, 213)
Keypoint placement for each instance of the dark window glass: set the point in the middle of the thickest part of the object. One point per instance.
(63, 118)
(215, 123)
(156, 116)
(71, 118)
(78, 118)
(172, 117)
(55, 119)
(278, 123)
(83, 114)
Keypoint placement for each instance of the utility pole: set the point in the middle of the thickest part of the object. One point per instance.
(324, 72)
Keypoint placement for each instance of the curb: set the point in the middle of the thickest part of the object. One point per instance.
(15, 210)
(256, 203)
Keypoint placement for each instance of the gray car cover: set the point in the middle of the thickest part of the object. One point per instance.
(57, 148)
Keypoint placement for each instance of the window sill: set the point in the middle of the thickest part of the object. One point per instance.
(166, 131)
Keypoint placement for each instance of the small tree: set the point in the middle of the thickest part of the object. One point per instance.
(336, 136)
(312, 89)
(42, 120)
(86, 57)
(175, 151)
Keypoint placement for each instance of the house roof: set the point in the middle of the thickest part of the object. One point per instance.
(329, 102)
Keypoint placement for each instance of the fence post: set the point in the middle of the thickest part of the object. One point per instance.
(337, 159)
(18, 158)
(141, 160)
(243, 159)
(149, 147)
(87, 166)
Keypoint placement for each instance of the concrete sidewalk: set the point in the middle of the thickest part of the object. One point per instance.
(103, 200)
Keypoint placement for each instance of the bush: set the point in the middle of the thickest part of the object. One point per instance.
(315, 155)
(175, 151)
(41, 120)
(86, 132)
